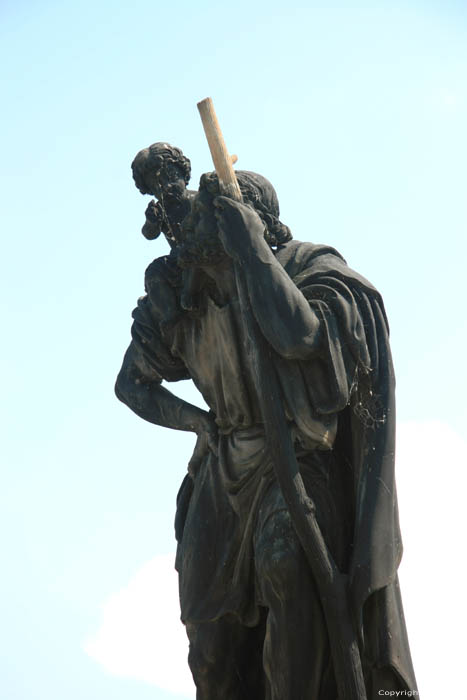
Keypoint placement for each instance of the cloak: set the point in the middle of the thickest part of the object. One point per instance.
(354, 379)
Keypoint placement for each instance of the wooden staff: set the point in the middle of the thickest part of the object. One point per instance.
(331, 584)
(220, 156)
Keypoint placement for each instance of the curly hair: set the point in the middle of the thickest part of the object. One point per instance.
(155, 157)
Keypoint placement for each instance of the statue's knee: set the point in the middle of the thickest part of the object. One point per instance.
(212, 659)
(278, 555)
(279, 568)
(202, 650)
(209, 648)
(198, 663)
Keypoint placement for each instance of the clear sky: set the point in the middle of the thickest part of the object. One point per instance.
(357, 113)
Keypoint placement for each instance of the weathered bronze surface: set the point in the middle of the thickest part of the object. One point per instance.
(271, 331)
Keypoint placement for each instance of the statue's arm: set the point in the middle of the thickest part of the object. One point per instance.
(144, 394)
(281, 310)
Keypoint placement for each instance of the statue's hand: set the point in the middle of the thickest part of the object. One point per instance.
(154, 221)
(240, 228)
(153, 213)
(207, 442)
(175, 190)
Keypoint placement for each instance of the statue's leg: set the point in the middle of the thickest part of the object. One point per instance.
(296, 650)
(225, 659)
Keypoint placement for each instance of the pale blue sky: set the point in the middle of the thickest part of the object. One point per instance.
(358, 116)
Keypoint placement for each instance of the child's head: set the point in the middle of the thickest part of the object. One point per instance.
(159, 167)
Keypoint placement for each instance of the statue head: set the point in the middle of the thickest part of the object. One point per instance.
(160, 169)
(204, 247)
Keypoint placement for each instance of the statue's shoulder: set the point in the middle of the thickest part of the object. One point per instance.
(297, 256)
(162, 272)
(311, 261)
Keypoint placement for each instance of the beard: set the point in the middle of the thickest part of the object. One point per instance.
(200, 250)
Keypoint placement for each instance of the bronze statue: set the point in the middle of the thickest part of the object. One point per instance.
(254, 611)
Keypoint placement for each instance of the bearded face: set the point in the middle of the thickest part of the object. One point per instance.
(200, 245)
